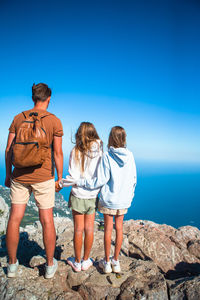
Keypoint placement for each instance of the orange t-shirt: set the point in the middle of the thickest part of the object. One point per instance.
(53, 127)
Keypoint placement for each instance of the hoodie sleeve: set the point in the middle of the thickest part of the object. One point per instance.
(103, 176)
(74, 168)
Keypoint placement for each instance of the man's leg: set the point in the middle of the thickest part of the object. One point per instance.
(78, 234)
(12, 234)
(89, 234)
(108, 227)
(44, 194)
(49, 233)
(119, 235)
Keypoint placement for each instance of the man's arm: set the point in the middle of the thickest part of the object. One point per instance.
(8, 159)
(58, 156)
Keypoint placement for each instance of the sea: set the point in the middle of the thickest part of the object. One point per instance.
(166, 193)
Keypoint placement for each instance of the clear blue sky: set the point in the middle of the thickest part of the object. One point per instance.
(129, 63)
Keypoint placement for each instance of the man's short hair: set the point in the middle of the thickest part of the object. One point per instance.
(40, 92)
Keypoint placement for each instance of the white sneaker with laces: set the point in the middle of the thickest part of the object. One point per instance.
(76, 266)
(105, 265)
(115, 265)
(12, 269)
(86, 264)
(51, 270)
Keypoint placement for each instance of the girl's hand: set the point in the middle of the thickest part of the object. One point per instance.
(68, 181)
(57, 186)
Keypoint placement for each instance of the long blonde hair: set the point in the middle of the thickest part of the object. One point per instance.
(85, 135)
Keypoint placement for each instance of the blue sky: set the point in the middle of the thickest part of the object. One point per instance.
(129, 63)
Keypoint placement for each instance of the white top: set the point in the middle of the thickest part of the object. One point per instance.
(116, 175)
(92, 159)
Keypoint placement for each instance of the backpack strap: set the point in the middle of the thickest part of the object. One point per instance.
(45, 114)
(24, 114)
(41, 115)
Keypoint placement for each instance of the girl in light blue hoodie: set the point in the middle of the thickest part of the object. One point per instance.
(116, 175)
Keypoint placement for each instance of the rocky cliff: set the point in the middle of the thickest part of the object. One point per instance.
(4, 213)
(158, 262)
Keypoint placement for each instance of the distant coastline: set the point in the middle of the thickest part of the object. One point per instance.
(165, 194)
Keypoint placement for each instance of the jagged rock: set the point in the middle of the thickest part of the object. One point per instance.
(146, 282)
(163, 244)
(157, 262)
(188, 288)
(4, 215)
(37, 261)
(194, 248)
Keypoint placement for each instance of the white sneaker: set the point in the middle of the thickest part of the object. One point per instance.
(115, 265)
(76, 266)
(106, 266)
(86, 264)
(51, 270)
(12, 269)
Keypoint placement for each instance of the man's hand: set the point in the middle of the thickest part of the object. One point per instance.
(57, 187)
(8, 181)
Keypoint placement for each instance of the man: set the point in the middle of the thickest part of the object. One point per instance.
(37, 179)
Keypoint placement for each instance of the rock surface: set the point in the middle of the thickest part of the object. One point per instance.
(157, 261)
(4, 214)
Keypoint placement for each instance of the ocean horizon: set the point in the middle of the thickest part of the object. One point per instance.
(165, 194)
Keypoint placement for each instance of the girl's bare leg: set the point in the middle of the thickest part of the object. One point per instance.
(78, 234)
(89, 234)
(108, 227)
(119, 235)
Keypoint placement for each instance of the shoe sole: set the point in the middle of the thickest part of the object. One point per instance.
(11, 275)
(107, 272)
(73, 267)
(114, 271)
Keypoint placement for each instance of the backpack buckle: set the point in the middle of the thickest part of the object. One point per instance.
(33, 114)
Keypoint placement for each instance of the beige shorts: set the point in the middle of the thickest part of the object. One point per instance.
(44, 193)
(113, 212)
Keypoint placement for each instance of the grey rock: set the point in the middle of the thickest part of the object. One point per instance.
(188, 288)
(37, 261)
(157, 262)
(4, 215)
(146, 282)
(163, 244)
(194, 248)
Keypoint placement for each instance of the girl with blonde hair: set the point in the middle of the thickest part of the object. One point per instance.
(116, 175)
(83, 162)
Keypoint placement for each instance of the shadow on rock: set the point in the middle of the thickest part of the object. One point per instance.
(3, 250)
(27, 249)
(183, 269)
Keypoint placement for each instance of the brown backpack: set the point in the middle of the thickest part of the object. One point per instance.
(30, 145)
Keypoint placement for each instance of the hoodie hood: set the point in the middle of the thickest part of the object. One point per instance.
(96, 147)
(120, 155)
